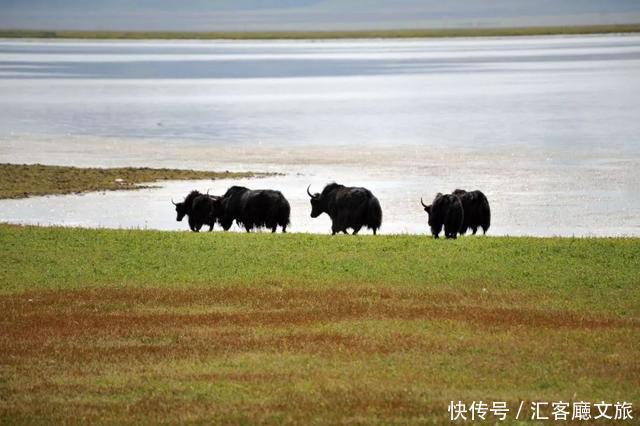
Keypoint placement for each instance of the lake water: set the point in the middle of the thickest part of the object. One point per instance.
(547, 127)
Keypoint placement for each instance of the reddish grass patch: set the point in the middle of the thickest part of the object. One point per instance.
(76, 324)
(242, 377)
(126, 330)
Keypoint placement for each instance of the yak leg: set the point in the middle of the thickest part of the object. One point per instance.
(273, 229)
(374, 231)
(211, 227)
(335, 229)
(284, 229)
(340, 224)
(337, 226)
(356, 229)
(474, 229)
(448, 233)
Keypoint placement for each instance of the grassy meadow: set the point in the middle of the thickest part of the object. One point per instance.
(294, 35)
(128, 326)
(25, 180)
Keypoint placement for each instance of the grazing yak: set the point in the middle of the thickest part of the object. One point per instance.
(348, 207)
(200, 208)
(476, 211)
(254, 208)
(445, 210)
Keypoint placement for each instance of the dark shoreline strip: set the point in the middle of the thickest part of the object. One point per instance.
(319, 35)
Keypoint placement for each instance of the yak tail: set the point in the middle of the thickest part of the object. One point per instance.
(374, 214)
(285, 213)
(486, 214)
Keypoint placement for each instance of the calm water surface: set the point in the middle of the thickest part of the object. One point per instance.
(547, 127)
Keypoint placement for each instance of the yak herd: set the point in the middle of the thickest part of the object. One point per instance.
(348, 207)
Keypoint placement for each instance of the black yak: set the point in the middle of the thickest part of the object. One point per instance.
(254, 208)
(348, 207)
(446, 210)
(200, 208)
(476, 211)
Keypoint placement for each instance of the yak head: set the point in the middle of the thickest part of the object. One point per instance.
(181, 210)
(316, 204)
(184, 208)
(427, 208)
(435, 209)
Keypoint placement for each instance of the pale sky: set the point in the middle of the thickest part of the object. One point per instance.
(255, 15)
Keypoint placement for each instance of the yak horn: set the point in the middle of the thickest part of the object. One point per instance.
(423, 204)
(310, 195)
(173, 202)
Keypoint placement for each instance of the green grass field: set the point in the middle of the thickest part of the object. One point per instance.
(25, 180)
(273, 35)
(119, 326)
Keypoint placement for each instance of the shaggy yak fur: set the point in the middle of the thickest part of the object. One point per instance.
(445, 210)
(348, 207)
(477, 213)
(200, 208)
(254, 208)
